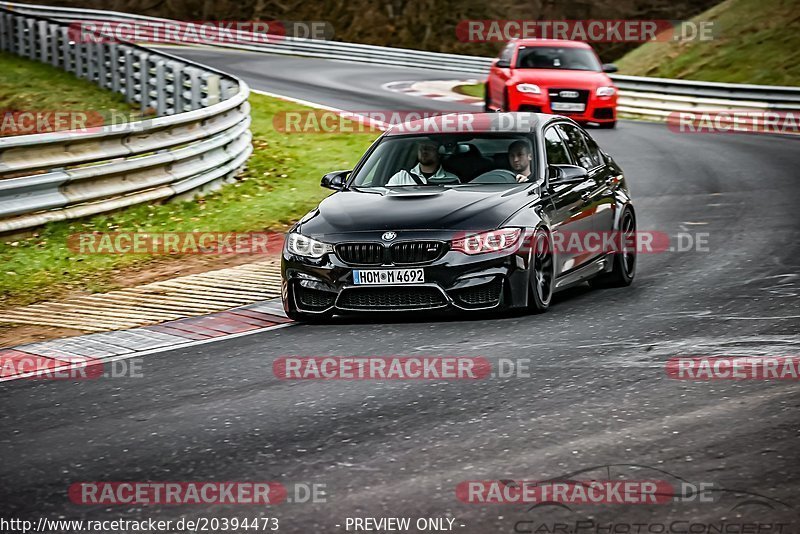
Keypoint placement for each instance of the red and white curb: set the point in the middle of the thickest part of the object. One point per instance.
(442, 90)
(45, 358)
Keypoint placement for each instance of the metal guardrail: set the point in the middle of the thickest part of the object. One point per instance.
(202, 134)
(198, 139)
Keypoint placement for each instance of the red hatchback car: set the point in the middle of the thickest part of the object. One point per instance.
(553, 76)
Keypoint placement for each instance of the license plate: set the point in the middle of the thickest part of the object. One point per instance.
(371, 277)
(567, 106)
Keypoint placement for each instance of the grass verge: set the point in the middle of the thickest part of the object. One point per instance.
(280, 185)
(30, 86)
(475, 90)
(756, 41)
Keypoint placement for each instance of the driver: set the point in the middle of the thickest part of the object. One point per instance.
(520, 156)
(428, 170)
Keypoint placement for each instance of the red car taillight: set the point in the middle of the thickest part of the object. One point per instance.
(492, 241)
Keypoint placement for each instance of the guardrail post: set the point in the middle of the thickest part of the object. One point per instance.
(31, 50)
(175, 79)
(80, 59)
(212, 89)
(140, 80)
(54, 36)
(103, 65)
(195, 93)
(3, 31)
(129, 76)
(67, 52)
(113, 67)
(19, 42)
(43, 36)
(161, 88)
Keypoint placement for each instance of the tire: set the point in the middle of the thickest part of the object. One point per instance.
(624, 269)
(504, 108)
(607, 125)
(543, 274)
(487, 108)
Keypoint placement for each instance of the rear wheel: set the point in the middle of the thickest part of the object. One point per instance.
(542, 273)
(624, 269)
(486, 99)
(504, 106)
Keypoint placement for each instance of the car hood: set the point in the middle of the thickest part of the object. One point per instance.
(572, 79)
(415, 208)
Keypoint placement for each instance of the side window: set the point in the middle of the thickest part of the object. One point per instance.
(578, 147)
(507, 53)
(594, 150)
(555, 148)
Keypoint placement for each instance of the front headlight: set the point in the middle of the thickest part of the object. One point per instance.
(301, 245)
(492, 241)
(530, 88)
(606, 91)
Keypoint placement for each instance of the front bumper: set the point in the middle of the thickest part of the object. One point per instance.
(455, 280)
(599, 110)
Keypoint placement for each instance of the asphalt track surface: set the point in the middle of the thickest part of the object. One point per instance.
(597, 394)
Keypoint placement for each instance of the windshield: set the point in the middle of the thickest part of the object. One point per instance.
(448, 159)
(550, 57)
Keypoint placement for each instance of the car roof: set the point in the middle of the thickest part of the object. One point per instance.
(552, 42)
(517, 122)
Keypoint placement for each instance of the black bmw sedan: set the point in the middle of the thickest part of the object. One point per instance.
(466, 212)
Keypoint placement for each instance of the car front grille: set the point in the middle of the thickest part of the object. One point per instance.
(480, 296)
(404, 253)
(360, 253)
(413, 252)
(391, 298)
(578, 96)
(314, 299)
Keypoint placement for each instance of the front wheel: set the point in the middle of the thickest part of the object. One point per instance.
(542, 273)
(624, 268)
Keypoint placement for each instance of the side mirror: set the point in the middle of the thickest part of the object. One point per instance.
(566, 174)
(609, 67)
(503, 64)
(334, 180)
